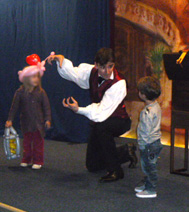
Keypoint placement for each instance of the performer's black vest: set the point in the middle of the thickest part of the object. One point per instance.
(97, 92)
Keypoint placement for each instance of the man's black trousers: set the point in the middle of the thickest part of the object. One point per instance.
(101, 149)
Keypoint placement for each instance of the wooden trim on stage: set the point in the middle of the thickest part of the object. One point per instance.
(10, 208)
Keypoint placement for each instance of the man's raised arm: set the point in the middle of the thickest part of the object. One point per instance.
(80, 75)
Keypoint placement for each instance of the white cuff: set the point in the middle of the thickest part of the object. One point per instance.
(82, 111)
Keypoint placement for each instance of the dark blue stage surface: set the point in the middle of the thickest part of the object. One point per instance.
(64, 185)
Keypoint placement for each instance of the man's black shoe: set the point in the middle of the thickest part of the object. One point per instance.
(133, 160)
(112, 176)
(127, 153)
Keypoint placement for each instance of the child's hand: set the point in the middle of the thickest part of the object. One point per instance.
(8, 124)
(47, 124)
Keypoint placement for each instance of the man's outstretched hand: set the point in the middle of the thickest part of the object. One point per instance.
(58, 58)
(71, 105)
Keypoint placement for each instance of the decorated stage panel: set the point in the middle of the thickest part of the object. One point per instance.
(144, 31)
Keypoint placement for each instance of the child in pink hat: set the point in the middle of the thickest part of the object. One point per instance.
(35, 113)
(32, 70)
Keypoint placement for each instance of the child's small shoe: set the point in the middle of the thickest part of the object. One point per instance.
(140, 188)
(36, 166)
(24, 165)
(146, 194)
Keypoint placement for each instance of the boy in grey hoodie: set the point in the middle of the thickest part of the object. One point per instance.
(149, 135)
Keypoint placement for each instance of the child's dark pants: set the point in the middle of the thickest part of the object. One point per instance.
(149, 156)
(33, 145)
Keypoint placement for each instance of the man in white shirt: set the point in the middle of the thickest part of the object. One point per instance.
(107, 111)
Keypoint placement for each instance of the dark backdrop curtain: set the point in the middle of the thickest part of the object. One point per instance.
(75, 28)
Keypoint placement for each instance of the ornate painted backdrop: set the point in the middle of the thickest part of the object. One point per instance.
(144, 30)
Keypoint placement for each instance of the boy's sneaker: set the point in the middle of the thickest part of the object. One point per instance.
(24, 165)
(146, 194)
(36, 166)
(140, 188)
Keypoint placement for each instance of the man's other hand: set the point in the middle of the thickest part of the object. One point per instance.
(71, 105)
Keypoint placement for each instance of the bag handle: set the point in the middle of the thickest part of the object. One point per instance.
(9, 131)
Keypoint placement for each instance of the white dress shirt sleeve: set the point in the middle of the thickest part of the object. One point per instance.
(80, 75)
(99, 112)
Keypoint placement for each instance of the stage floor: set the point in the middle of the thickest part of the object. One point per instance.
(64, 185)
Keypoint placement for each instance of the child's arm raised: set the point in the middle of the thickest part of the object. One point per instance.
(80, 75)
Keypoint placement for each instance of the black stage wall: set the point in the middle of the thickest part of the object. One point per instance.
(75, 28)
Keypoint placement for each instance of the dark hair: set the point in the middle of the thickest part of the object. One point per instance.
(150, 87)
(104, 55)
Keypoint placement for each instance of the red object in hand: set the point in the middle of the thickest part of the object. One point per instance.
(33, 59)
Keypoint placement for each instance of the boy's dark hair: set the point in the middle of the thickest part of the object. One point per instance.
(150, 87)
(104, 55)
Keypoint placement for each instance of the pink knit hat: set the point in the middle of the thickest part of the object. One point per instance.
(33, 69)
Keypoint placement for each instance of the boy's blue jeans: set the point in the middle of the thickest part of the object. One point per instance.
(149, 156)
